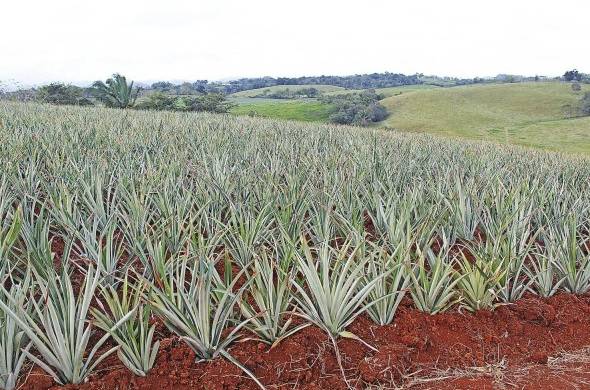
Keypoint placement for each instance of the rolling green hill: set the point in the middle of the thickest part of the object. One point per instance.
(541, 115)
(531, 114)
(304, 109)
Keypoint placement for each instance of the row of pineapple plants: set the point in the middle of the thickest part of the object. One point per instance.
(325, 270)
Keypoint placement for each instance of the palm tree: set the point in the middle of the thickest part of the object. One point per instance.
(116, 92)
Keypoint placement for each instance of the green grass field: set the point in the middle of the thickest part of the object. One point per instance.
(308, 110)
(276, 88)
(531, 114)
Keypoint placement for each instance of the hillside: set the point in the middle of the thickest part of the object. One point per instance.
(303, 109)
(531, 114)
(307, 110)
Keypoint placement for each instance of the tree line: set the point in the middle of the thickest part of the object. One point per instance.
(360, 81)
(117, 92)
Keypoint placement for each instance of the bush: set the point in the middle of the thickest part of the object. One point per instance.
(157, 101)
(356, 108)
(211, 102)
(572, 75)
(576, 87)
(59, 93)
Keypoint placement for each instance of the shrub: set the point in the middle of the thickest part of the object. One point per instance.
(211, 102)
(59, 93)
(356, 108)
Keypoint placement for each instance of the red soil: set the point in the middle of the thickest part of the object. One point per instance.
(519, 345)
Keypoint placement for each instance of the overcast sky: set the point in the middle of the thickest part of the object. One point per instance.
(74, 40)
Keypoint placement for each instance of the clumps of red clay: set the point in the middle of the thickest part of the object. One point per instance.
(453, 350)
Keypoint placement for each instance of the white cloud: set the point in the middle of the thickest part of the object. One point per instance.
(74, 40)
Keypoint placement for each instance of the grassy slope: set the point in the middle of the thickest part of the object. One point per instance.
(308, 110)
(254, 92)
(395, 91)
(530, 114)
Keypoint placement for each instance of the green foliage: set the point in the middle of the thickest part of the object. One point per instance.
(135, 337)
(359, 81)
(10, 229)
(58, 326)
(568, 250)
(270, 289)
(389, 289)
(433, 281)
(543, 274)
(211, 102)
(246, 232)
(115, 92)
(478, 285)
(14, 343)
(59, 93)
(356, 108)
(336, 289)
(198, 307)
(572, 75)
(157, 101)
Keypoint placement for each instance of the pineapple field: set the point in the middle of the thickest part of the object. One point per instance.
(143, 249)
